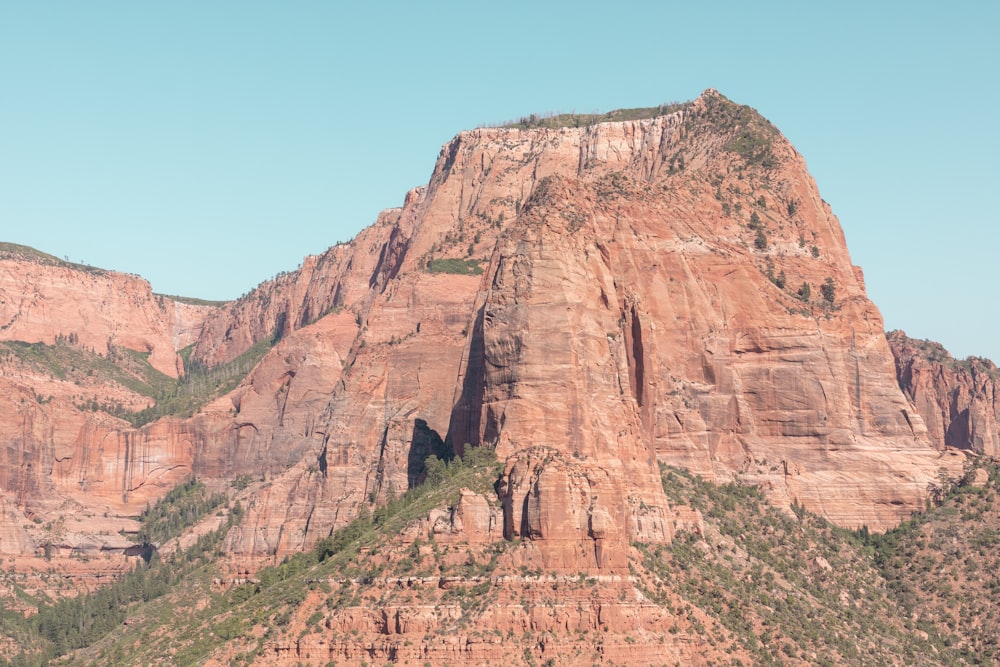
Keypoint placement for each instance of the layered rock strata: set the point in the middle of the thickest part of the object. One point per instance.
(43, 300)
(959, 401)
(586, 300)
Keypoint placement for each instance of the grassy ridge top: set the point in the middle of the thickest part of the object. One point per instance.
(33, 254)
(557, 120)
(190, 300)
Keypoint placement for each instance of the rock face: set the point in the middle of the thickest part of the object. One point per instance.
(959, 401)
(668, 289)
(43, 299)
(63, 458)
(636, 307)
(586, 300)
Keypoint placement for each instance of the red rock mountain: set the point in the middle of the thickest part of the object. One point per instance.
(959, 401)
(586, 300)
(43, 298)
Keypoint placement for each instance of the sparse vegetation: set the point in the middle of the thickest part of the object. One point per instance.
(29, 253)
(752, 136)
(557, 120)
(128, 368)
(191, 301)
(797, 587)
(770, 585)
(934, 351)
(200, 384)
(183, 506)
(456, 266)
(76, 622)
(67, 360)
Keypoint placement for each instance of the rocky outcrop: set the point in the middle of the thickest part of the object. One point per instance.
(43, 300)
(668, 289)
(959, 401)
(635, 308)
(586, 300)
(342, 278)
(75, 336)
(66, 465)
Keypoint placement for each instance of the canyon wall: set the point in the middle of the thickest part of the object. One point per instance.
(42, 301)
(959, 401)
(589, 301)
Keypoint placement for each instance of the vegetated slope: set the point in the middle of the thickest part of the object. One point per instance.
(55, 626)
(793, 588)
(945, 563)
(748, 584)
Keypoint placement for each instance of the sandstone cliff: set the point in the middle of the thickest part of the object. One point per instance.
(959, 401)
(43, 299)
(587, 300)
(671, 288)
(77, 345)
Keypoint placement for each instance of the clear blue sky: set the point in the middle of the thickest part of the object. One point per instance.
(208, 145)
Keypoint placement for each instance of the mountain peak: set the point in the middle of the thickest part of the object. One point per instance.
(583, 300)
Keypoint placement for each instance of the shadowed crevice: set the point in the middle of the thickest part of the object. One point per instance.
(466, 415)
(424, 442)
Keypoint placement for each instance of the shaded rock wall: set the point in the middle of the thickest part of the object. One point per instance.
(959, 401)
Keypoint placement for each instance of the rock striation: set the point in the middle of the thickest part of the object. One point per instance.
(669, 289)
(959, 401)
(43, 300)
(589, 301)
(66, 461)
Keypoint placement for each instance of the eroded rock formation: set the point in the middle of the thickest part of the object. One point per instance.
(43, 300)
(587, 300)
(959, 401)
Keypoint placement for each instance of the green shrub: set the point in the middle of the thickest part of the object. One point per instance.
(829, 290)
(456, 266)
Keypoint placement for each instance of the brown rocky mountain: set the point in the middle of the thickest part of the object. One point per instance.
(588, 299)
(69, 336)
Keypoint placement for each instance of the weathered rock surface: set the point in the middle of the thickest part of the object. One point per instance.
(41, 301)
(630, 308)
(959, 401)
(588, 301)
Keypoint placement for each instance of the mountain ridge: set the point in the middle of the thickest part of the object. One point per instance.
(588, 303)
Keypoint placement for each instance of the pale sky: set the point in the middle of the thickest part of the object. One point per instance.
(208, 146)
